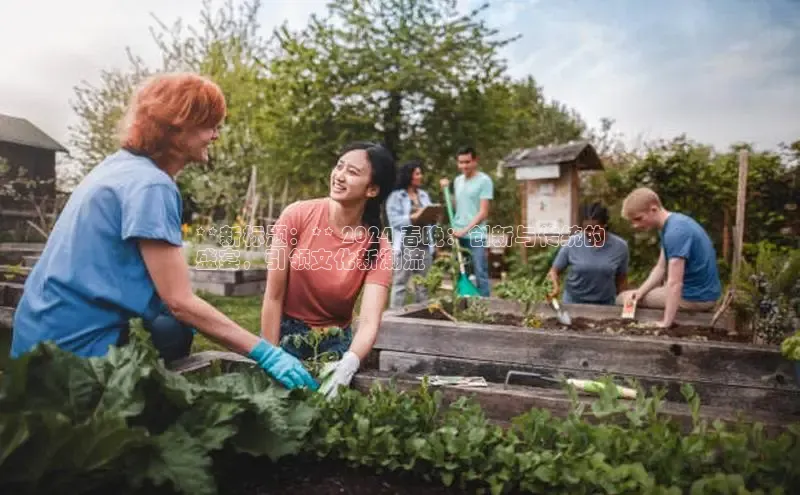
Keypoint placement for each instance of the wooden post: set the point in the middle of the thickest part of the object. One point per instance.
(726, 234)
(738, 235)
(523, 224)
(741, 202)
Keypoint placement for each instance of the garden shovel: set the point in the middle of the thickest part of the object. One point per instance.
(561, 314)
(464, 287)
(589, 386)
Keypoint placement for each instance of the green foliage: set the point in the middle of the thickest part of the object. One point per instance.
(790, 347)
(416, 75)
(70, 425)
(124, 424)
(312, 342)
(768, 293)
(696, 180)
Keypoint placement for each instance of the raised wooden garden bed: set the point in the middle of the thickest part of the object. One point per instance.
(14, 253)
(501, 402)
(229, 282)
(726, 372)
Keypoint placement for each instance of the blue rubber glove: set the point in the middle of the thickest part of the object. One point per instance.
(286, 368)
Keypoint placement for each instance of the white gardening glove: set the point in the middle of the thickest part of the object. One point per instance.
(338, 373)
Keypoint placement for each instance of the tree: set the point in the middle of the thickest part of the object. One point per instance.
(413, 74)
(99, 109)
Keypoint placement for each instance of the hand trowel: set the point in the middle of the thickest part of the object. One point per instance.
(562, 315)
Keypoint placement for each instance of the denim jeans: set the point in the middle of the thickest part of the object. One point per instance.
(291, 326)
(171, 338)
(479, 261)
(411, 261)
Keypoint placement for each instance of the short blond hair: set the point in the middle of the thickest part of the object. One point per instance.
(638, 201)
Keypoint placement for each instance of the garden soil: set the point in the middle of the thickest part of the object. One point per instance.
(615, 326)
(299, 476)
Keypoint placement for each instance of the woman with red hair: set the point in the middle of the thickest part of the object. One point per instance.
(116, 250)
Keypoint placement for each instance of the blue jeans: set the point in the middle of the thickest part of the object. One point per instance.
(171, 338)
(478, 259)
(291, 326)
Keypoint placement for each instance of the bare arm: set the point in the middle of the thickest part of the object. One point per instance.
(482, 215)
(373, 302)
(170, 273)
(674, 289)
(272, 307)
(553, 275)
(655, 277)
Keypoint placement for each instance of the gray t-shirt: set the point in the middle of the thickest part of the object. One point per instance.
(592, 269)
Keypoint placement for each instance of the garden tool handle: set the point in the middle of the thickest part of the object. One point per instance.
(456, 244)
(597, 387)
(585, 385)
(447, 203)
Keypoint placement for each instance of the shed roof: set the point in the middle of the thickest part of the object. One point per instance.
(581, 152)
(20, 131)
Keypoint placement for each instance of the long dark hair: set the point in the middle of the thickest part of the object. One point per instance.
(383, 175)
(406, 173)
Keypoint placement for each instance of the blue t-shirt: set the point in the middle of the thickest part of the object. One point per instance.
(683, 237)
(468, 196)
(593, 270)
(91, 278)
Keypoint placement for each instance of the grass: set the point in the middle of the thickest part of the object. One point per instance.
(244, 310)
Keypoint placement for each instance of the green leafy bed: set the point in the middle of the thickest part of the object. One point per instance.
(125, 424)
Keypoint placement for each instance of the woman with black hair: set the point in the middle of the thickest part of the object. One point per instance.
(412, 243)
(597, 261)
(324, 251)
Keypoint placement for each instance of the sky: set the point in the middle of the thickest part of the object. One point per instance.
(720, 71)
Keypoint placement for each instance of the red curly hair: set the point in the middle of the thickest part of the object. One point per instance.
(165, 106)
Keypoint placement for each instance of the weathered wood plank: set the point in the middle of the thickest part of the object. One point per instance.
(591, 311)
(21, 246)
(682, 360)
(248, 288)
(10, 294)
(14, 273)
(202, 360)
(733, 396)
(231, 289)
(228, 276)
(503, 403)
(6, 318)
(16, 256)
(30, 261)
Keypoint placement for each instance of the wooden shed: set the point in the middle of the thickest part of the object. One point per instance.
(550, 187)
(26, 148)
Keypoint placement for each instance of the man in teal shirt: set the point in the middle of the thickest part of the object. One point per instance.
(473, 190)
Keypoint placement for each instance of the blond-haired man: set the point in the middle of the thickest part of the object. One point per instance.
(687, 258)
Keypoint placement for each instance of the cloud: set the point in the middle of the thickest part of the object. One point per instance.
(719, 70)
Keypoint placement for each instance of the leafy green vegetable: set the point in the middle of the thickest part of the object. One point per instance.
(125, 423)
(790, 347)
(70, 425)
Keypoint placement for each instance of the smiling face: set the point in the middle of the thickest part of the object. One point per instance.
(467, 164)
(416, 178)
(197, 141)
(351, 178)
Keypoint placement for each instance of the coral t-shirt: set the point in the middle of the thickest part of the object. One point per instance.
(326, 271)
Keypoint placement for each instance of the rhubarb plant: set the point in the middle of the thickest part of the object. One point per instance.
(125, 423)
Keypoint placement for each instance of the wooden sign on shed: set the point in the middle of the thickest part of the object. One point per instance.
(550, 187)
